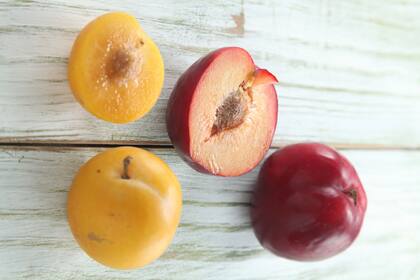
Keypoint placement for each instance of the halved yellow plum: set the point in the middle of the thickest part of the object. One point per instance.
(115, 70)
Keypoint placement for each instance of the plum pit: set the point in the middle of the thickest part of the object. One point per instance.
(123, 64)
(232, 112)
(119, 64)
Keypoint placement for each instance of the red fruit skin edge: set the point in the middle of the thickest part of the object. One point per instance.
(263, 76)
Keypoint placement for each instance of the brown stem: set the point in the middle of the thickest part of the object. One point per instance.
(126, 163)
(353, 194)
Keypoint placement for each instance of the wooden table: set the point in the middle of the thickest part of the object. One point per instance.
(349, 76)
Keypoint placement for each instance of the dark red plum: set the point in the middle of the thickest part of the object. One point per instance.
(308, 204)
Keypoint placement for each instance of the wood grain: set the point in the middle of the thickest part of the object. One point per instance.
(349, 70)
(215, 240)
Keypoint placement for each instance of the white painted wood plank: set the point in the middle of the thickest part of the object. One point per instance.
(215, 240)
(349, 70)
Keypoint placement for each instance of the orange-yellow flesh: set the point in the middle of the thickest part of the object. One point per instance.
(235, 150)
(124, 223)
(116, 98)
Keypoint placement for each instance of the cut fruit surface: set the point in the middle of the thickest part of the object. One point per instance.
(217, 119)
(115, 69)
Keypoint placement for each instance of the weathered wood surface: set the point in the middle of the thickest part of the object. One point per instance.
(349, 76)
(215, 240)
(349, 70)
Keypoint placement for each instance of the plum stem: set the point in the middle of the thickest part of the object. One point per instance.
(126, 163)
(353, 194)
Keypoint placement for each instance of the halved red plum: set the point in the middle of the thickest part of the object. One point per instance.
(222, 113)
